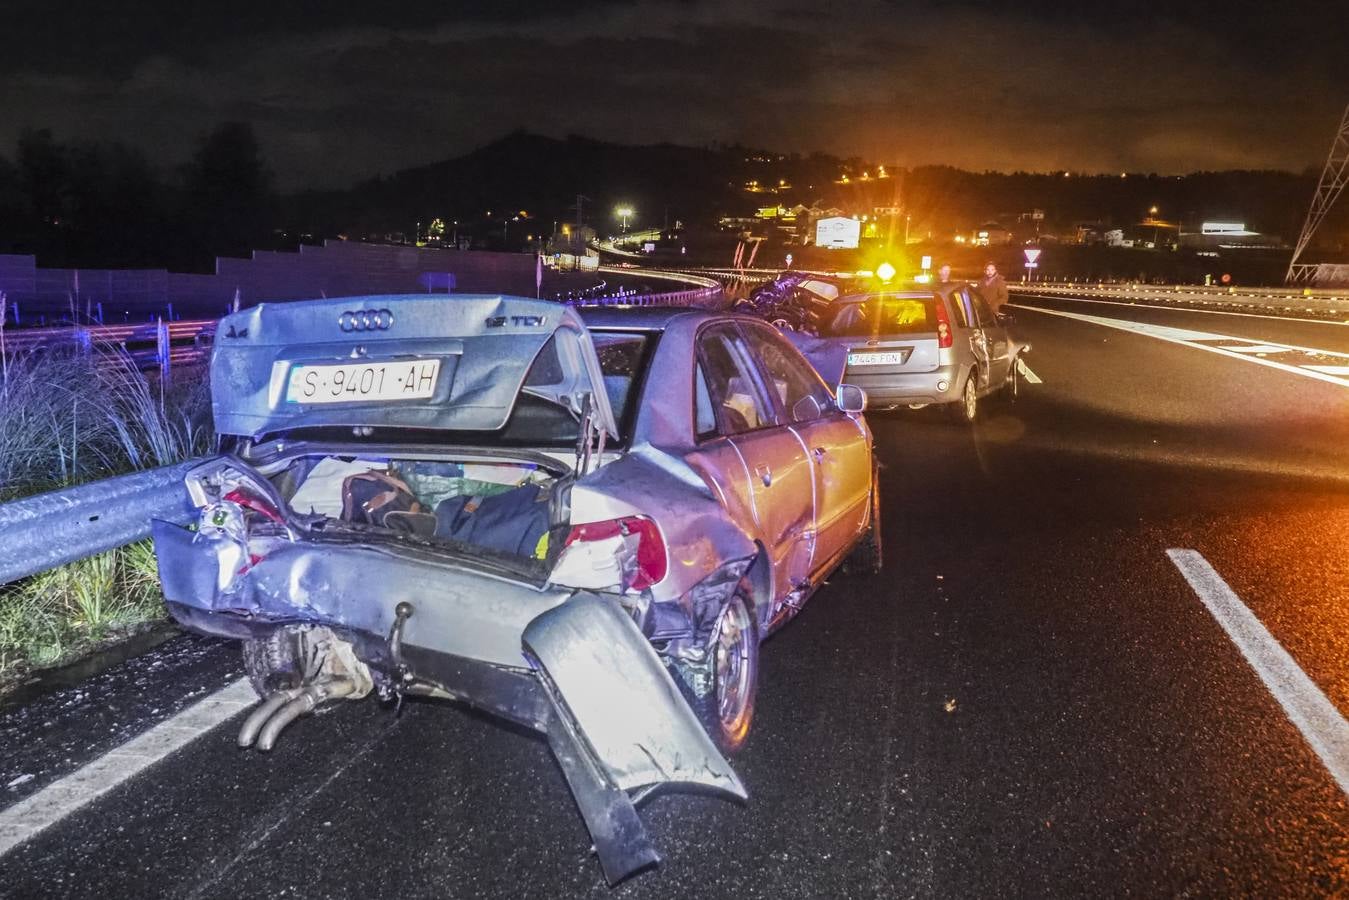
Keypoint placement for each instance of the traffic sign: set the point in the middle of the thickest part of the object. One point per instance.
(1032, 254)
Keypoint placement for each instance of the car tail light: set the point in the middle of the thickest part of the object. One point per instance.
(944, 336)
(258, 505)
(651, 558)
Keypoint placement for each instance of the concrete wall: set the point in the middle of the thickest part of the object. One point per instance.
(337, 269)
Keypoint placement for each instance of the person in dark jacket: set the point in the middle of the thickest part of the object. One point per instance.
(994, 288)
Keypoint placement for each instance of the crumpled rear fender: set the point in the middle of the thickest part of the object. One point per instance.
(604, 675)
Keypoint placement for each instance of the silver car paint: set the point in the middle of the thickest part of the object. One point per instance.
(991, 350)
(709, 516)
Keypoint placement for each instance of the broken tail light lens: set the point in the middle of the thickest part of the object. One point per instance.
(259, 505)
(652, 562)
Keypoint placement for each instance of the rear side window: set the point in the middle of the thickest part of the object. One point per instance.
(963, 308)
(735, 399)
(884, 315)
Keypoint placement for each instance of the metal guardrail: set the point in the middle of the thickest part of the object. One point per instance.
(49, 530)
(188, 341)
(703, 292)
(1284, 300)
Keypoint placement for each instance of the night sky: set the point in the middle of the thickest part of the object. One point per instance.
(339, 92)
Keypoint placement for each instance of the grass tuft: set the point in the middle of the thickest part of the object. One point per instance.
(68, 417)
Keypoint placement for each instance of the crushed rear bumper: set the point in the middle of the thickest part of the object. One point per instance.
(572, 666)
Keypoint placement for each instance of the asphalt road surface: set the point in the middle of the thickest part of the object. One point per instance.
(1033, 699)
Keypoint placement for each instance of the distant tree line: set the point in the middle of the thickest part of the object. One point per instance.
(103, 204)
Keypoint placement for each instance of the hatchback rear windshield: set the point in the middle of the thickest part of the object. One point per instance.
(883, 315)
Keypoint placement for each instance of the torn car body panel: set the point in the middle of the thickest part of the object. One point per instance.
(638, 725)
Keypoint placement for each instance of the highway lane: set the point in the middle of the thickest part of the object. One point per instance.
(1031, 700)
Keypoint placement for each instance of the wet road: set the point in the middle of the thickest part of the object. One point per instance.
(1031, 700)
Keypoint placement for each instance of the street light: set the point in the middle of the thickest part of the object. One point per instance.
(624, 212)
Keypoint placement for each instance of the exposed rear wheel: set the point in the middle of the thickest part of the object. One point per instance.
(722, 688)
(280, 661)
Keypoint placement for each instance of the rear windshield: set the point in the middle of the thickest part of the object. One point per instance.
(535, 421)
(884, 315)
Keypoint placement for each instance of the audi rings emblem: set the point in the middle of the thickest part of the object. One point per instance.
(365, 320)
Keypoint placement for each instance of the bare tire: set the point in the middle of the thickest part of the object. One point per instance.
(1013, 386)
(721, 690)
(275, 662)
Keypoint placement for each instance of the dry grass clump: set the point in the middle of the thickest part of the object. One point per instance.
(71, 416)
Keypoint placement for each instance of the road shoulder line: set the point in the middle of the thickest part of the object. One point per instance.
(61, 798)
(1184, 337)
(1303, 702)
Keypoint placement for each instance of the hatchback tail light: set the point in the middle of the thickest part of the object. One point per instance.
(944, 336)
(652, 561)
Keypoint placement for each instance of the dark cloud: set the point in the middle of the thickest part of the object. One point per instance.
(342, 91)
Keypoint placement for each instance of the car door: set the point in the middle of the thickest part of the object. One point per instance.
(995, 339)
(967, 321)
(778, 489)
(837, 445)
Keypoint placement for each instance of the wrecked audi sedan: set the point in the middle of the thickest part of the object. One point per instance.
(584, 527)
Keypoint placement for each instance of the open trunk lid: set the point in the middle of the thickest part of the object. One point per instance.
(454, 363)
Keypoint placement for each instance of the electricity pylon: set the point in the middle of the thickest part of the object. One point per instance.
(1333, 179)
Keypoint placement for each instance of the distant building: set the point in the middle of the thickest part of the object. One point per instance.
(1228, 236)
(991, 234)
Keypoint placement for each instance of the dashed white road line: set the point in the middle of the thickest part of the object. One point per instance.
(1186, 337)
(61, 798)
(1026, 372)
(1306, 707)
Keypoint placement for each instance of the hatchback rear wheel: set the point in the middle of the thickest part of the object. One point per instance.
(966, 409)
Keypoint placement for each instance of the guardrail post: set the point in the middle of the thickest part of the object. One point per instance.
(163, 351)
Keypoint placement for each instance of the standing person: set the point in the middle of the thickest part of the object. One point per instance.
(994, 288)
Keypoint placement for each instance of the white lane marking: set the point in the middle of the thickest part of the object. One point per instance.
(1253, 348)
(1026, 373)
(1188, 338)
(1181, 309)
(1306, 707)
(61, 798)
(1329, 370)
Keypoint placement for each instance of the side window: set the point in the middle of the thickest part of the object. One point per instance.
(735, 400)
(955, 302)
(704, 417)
(985, 312)
(802, 394)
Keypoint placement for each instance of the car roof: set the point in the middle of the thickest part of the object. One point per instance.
(902, 293)
(647, 318)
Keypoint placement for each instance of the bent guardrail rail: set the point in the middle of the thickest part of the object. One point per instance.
(49, 530)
